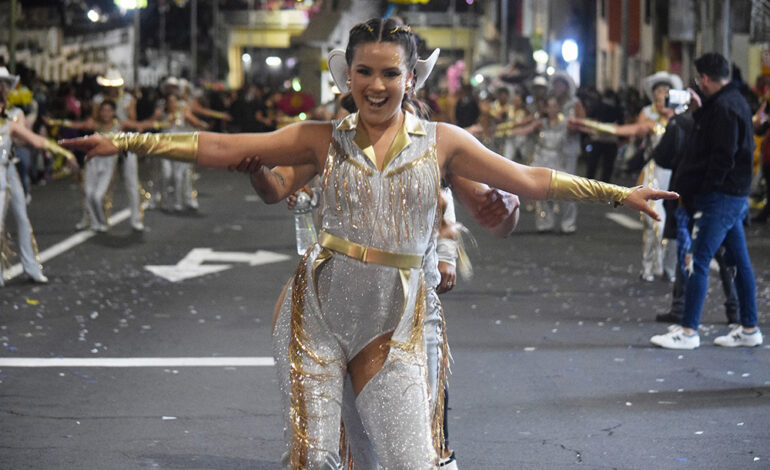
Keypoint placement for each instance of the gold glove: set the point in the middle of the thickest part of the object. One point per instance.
(567, 187)
(158, 125)
(179, 147)
(218, 114)
(60, 122)
(604, 127)
(58, 150)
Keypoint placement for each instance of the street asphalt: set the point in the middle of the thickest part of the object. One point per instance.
(552, 369)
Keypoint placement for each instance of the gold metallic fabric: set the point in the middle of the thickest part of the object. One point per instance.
(567, 187)
(181, 147)
(58, 150)
(368, 254)
(604, 127)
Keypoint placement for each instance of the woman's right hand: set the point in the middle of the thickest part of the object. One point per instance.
(94, 145)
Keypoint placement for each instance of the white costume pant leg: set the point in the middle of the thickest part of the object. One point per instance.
(189, 192)
(12, 200)
(569, 209)
(131, 182)
(167, 183)
(98, 176)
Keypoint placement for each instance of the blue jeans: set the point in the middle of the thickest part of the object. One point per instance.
(718, 220)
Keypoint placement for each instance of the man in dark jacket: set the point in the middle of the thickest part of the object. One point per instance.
(714, 178)
(668, 153)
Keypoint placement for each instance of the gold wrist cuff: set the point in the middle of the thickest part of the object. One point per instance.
(60, 122)
(217, 114)
(604, 127)
(567, 187)
(58, 150)
(157, 125)
(179, 147)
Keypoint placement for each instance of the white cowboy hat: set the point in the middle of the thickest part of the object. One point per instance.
(11, 80)
(338, 67)
(171, 81)
(658, 78)
(566, 78)
(112, 78)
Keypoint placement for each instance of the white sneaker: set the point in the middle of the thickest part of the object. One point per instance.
(676, 339)
(737, 337)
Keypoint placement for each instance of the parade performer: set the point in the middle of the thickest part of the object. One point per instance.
(99, 173)
(658, 255)
(356, 305)
(494, 209)
(12, 129)
(125, 110)
(176, 176)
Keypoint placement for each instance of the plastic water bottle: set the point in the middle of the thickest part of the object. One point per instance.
(303, 223)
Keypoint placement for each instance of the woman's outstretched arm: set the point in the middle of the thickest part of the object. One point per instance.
(302, 143)
(463, 155)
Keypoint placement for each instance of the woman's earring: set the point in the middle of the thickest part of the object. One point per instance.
(348, 83)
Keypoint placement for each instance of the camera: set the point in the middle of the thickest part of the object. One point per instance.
(677, 98)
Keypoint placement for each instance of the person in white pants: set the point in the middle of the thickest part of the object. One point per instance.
(12, 198)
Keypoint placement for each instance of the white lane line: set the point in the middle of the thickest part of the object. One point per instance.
(136, 362)
(624, 220)
(68, 243)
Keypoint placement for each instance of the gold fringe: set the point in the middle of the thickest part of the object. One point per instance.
(298, 351)
(437, 424)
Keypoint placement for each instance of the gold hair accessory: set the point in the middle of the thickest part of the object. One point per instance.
(179, 147)
(57, 150)
(567, 187)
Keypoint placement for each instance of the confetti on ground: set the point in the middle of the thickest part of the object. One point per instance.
(32, 302)
(698, 433)
(529, 349)
(169, 418)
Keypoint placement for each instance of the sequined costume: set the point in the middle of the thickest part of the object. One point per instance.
(436, 350)
(12, 199)
(658, 255)
(337, 304)
(550, 151)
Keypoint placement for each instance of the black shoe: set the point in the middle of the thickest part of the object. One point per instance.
(669, 317)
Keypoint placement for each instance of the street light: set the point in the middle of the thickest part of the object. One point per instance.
(569, 50)
(93, 15)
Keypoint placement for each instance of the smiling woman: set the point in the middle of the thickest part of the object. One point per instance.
(356, 304)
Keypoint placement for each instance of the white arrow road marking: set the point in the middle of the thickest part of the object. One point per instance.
(136, 362)
(68, 243)
(624, 220)
(191, 265)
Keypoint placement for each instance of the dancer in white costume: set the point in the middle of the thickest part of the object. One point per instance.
(356, 305)
(99, 173)
(125, 111)
(12, 198)
(658, 255)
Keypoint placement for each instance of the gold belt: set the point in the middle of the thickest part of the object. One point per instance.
(368, 254)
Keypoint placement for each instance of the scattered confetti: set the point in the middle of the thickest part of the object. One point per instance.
(698, 433)
(529, 349)
(32, 302)
(169, 418)
(628, 403)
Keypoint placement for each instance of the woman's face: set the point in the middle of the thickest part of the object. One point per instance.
(106, 113)
(660, 92)
(378, 78)
(552, 108)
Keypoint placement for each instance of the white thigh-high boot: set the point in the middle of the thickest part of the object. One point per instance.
(394, 409)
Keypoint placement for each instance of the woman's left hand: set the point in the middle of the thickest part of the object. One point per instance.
(448, 277)
(638, 200)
